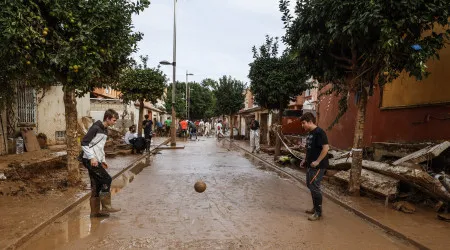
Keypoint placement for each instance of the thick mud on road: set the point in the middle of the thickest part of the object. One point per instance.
(244, 206)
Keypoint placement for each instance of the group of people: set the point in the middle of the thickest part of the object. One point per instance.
(141, 145)
(316, 160)
(190, 128)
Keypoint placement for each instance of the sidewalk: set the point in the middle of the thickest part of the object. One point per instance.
(23, 216)
(422, 227)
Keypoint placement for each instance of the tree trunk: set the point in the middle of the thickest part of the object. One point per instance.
(417, 178)
(141, 116)
(357, 151)
(277, 138)
(73, 146)
(231, 127)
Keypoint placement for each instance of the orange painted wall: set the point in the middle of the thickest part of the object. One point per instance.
(385, 125)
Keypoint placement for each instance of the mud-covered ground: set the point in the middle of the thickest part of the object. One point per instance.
(244, 206)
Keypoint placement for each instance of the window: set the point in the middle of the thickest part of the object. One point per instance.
(26, 105)
(60, 135)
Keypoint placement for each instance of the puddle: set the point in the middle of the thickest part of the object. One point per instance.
(77, 224)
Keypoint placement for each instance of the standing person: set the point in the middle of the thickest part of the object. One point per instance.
(316, 162)
(159, 128)
(192, 130)
(93, 144)
(148, 131)
(168, 123)
(254, 135)
(219, 132)
(184, 128)
(201, 127)
(207, 128)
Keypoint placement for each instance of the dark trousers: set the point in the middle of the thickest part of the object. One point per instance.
(313, 178)
(132, 143)
(148, 142)
(193, 132)
(100, 179)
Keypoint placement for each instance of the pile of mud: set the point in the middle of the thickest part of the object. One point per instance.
(35, 179)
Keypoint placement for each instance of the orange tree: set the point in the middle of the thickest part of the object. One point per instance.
(76, 44)
(275, 80)
(142, 84)
(230, 96)
(357, 44)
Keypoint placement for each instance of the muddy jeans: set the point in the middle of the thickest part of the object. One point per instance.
(313, 178)
(254, 139)
(100, 179)
(148, 142)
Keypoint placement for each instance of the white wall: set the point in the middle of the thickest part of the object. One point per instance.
(83, 106)
(51, 112)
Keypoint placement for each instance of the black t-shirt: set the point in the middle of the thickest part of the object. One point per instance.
(314, 144)
(148, 127)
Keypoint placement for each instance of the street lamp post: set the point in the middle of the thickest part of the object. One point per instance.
(173, 139)
(188, 96)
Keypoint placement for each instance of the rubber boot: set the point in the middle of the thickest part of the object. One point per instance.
(95, 208)
(105, 198)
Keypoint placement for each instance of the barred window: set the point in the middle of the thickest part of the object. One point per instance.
(26, 105)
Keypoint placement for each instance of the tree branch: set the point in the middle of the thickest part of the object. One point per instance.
(340, 58)
(345, 67)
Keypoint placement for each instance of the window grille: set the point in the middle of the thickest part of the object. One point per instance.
(26, 105)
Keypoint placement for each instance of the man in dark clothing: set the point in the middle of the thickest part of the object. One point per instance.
(93, 144)
(316, 162)
(148, 125)
(192, 130)
(254, 135)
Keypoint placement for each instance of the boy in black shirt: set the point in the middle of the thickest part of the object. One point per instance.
(316, 162)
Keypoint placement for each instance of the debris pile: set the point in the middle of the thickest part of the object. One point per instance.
(420, 177)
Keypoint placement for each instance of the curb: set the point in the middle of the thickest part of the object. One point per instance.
(329, 196)
(35, 230)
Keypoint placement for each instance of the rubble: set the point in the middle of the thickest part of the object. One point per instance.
(373, 182)
(424, 154)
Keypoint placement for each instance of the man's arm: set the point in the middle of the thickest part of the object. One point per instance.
(322, 155)
(321, 140)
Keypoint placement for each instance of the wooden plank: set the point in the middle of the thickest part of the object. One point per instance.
(424, 154)
(418, 178)
(30, 140)
(373, 182)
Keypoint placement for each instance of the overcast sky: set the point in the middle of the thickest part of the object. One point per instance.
(214, 37)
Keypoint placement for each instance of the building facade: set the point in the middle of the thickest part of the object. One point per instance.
(404, 111)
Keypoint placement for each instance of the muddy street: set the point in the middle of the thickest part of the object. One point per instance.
(244, 206)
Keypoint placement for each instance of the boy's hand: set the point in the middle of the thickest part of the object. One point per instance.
(104, 165)
(94, 162)
(315, 164)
